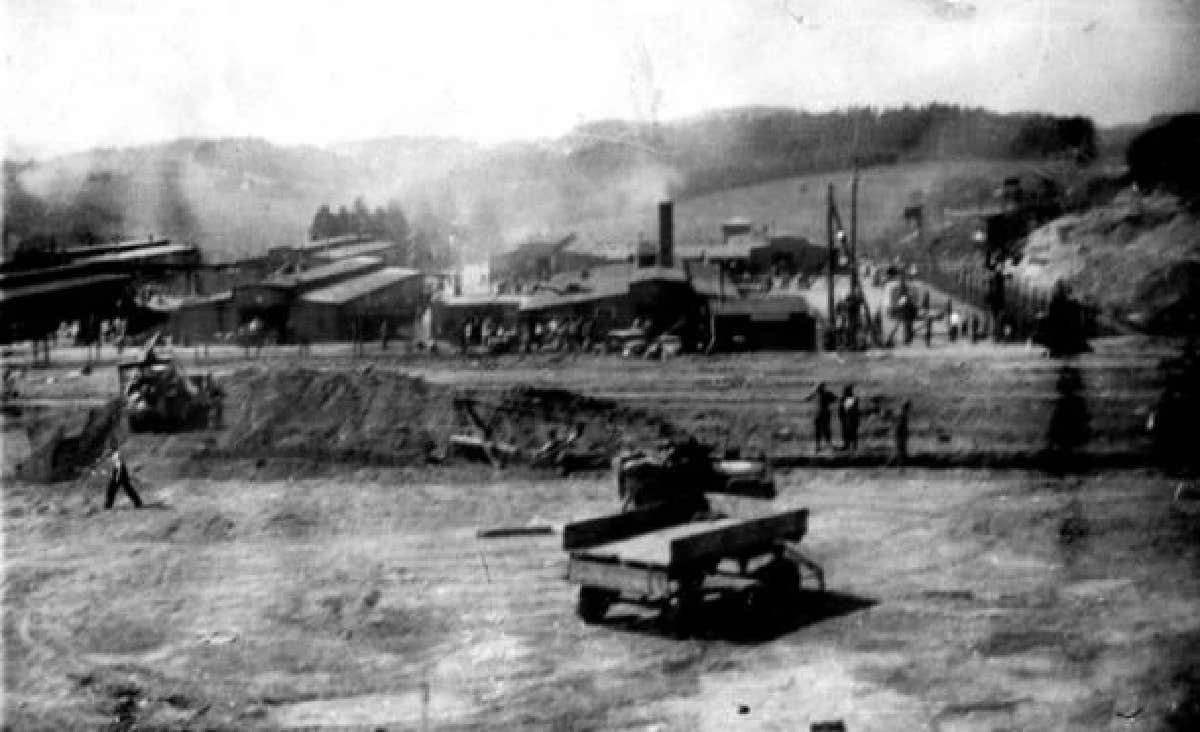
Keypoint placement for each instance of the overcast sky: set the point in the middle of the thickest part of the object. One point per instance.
(80, 73)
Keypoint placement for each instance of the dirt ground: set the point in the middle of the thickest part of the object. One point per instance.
(247, 595)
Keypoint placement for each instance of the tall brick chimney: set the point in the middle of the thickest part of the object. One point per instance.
(666, 234)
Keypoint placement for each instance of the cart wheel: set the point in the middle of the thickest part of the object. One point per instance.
(593, 603)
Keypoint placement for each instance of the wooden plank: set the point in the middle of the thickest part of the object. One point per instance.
(654, 547)
(740, 537)
(502, 531)
(618, 526)
(640, 583)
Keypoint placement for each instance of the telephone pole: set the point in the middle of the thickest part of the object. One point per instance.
(829, 217)
(854, 229)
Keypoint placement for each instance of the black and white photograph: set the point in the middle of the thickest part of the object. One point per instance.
(816, 365)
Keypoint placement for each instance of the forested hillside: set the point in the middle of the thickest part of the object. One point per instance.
(236, 197)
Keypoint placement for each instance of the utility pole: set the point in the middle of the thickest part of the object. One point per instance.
(829, 214)
(854, 229)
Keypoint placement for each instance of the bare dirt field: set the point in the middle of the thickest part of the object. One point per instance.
(281, 592)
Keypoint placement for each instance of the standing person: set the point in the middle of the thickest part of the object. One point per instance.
(849, 415)
(900, 433)
(216, 402)
(907, 312)
(823, 419)
(467, 332)
(385, 334)
(928, 329)
(539, 334)
(119, 478)
(955, 325)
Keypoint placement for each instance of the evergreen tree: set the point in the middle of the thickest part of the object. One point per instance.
(323, 224)
(344, 223)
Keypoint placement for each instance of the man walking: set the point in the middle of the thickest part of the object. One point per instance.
(849, 414)
(119, 478)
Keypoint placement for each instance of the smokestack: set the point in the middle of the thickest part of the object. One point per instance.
(666, 234)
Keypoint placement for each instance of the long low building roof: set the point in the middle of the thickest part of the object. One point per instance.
(16, 293)
(359, 286)
(119, 246)
(160, 250)
(315, 274)
(355, 250)
(330, 242)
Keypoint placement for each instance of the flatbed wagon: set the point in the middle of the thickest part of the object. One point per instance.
(661, 557)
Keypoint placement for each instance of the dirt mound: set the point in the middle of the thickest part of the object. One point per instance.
(523, 416)
(352, 416)
(1134, 257)
(66, 442)
(369, 416)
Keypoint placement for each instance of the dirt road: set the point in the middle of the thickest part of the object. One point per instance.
(958, 599)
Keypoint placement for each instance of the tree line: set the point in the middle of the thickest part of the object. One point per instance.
(783, 143)
(749, 145)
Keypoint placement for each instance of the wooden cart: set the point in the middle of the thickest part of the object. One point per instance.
(661, 557)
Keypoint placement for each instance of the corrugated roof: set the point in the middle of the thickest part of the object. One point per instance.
(359, 286)
(16, 293)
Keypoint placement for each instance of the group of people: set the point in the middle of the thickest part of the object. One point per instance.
(573, 333)
(850, 413)
(849, 416)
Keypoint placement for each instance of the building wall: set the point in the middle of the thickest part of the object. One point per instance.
(448, 318)
(737, 331)
(201, 322)
(397, 305)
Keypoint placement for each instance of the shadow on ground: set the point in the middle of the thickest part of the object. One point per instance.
(728, 618)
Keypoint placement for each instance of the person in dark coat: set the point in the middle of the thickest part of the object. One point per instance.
(823, 418)
(849, 415)
(119, 478)
(900, 433)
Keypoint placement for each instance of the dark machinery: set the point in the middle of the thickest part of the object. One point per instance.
(160, 396)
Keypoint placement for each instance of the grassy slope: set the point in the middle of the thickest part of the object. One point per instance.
(798, 204)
